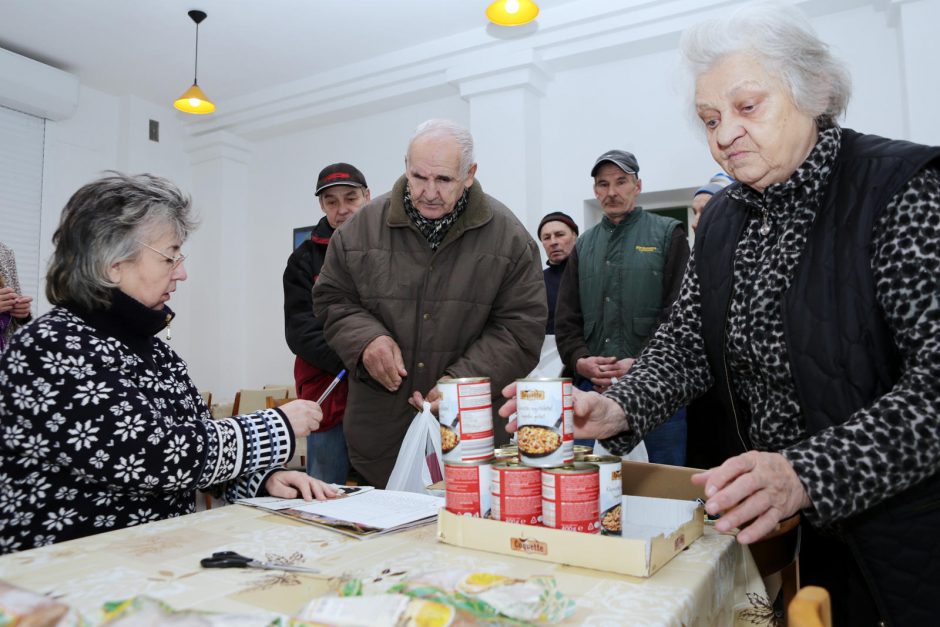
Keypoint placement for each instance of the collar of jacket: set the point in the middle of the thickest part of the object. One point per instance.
(474, 216)
(322, 232)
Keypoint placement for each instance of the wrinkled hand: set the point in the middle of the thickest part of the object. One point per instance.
(760, 488)
(304, 416)
(7, 299)
(292, 484)
(595, 367)
(595, 416)
(383, 361)
(610, 373)
(21, 307)
(434, 397)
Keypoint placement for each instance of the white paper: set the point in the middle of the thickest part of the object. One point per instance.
(377, 508)
(364, 611)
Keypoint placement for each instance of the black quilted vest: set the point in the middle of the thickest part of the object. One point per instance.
(841, 353)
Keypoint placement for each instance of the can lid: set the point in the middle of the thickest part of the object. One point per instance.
(464, 380)
(574, 468)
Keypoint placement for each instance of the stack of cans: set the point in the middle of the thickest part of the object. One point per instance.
(545, 479)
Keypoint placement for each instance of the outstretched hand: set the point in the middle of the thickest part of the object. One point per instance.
(595, 416)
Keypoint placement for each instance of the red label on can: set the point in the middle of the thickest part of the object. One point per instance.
(570, 501)
(517, 495)
(468, 489)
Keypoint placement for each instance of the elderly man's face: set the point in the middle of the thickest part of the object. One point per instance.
(616, 191)
(698, 206)
(558, 239)
(434, 177)
(755, 131)
(340, 202)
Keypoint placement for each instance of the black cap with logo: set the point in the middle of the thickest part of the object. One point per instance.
(620, 158)
(340, 174)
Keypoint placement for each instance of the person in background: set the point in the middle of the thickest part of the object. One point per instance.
(618, 286)
(341, 190)
(434, 279)
(703, 194)
(14, 306)
(558, 234)
(812, 304)
(100, 425)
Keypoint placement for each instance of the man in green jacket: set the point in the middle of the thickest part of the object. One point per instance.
(620, 283)
(435, 278)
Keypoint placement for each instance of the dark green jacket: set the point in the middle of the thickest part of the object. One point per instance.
(619, 281)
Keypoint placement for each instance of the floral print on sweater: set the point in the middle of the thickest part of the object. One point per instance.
(95, 436)
(882, 449)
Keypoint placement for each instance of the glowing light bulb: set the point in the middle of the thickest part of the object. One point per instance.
(512, 6)
(194, 102)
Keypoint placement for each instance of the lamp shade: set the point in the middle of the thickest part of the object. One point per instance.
(512, 12)
(195, 101)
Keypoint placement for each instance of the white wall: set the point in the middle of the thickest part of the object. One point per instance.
(253, 189)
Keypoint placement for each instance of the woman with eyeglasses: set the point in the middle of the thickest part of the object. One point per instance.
(100, 425)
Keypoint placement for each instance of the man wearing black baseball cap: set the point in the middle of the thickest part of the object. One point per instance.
(558, 234)
(342, 191)
(619, 284)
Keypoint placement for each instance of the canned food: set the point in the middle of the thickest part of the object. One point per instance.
(545, 417)
(506, 453)
(517, 493)
(611, 491)
(466, 417)
(580, 450)
(570, 497)
(467, 487)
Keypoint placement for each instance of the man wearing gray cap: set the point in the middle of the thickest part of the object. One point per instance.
(620, 283)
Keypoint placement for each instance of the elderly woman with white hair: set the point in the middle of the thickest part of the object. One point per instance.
(100, 425)
(811, 303)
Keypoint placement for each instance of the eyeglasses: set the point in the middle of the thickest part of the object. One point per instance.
(176, 261)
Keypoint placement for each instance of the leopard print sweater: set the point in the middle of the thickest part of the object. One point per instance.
(882, 449)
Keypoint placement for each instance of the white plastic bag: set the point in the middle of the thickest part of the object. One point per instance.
(419, 458)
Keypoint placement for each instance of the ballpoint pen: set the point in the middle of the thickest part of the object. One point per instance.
(333, 384)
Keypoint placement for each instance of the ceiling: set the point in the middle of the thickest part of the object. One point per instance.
(145, 47)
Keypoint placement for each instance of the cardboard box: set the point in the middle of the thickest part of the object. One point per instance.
(658, 529)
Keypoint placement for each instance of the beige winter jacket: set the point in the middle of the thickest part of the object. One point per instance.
(475, 307)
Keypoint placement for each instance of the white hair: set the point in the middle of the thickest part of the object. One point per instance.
(447, 128)
(782, 39)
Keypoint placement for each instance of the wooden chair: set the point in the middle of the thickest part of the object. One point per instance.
(810, 607)
(291, 390)
(250, 401)
(778, 552)
(207, 397)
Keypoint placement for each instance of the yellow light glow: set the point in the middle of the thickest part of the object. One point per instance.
(512, 12)
(194, 101)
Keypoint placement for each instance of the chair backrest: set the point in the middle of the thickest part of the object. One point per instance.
(277, 402)
(250, 401)
(810, 607)
(291, 390)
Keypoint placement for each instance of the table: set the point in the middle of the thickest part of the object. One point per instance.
(708, 584)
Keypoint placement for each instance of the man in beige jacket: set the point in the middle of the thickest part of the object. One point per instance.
(433, 279)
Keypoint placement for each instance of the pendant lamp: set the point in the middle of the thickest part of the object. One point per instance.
(193, 99)
(512, 12)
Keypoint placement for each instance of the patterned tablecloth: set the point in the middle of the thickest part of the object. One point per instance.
(713, 582)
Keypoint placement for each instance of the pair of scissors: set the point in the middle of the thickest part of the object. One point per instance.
(231, 559)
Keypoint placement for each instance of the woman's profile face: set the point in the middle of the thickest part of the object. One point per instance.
(754, 129)
(152, 276)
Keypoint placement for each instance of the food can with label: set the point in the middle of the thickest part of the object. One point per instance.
(545, 418)
(611, 491)
(467, 487)
(506, 453)
(570, 497)
(580, 451)
(516, 493)
(466, 417)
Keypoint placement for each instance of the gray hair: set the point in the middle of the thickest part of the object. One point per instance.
(447, 128)
(783, 40)
(100, 226)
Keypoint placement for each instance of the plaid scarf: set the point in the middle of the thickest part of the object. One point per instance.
(435, 230)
